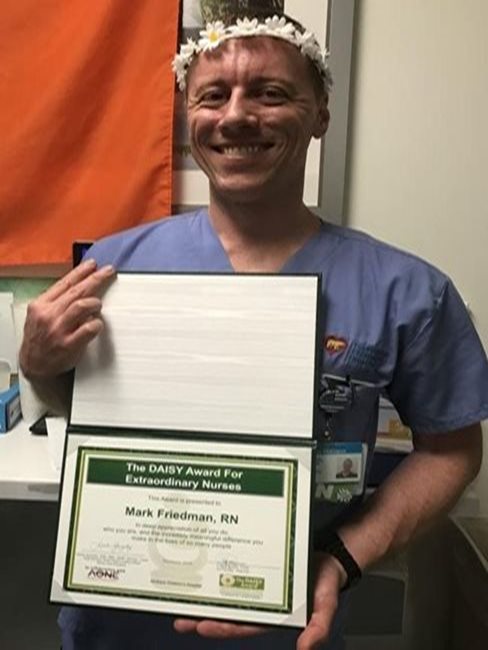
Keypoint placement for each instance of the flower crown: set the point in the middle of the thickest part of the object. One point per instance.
(217, 33)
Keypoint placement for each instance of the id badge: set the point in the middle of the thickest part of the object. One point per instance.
(340, 471)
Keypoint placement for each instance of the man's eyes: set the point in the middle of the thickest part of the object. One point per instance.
(272, 94)
(211, 98)
(269, 95)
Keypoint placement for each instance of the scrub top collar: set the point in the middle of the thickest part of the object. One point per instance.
(317, 252)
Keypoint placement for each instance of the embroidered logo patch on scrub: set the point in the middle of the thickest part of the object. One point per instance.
(335, 344)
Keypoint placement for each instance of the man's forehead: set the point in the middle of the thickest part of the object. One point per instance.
(263, 56)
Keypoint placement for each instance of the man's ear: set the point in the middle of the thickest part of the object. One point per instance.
(322, 119)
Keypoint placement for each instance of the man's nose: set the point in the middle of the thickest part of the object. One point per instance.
(239, 112)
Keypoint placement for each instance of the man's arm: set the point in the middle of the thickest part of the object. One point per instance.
(424, 486)
(59, 324)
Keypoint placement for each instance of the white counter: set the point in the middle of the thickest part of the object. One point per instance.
(26, 470)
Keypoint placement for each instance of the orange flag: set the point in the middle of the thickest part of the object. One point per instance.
(86, 118)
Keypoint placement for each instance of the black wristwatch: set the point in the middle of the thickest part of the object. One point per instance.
(328, 541)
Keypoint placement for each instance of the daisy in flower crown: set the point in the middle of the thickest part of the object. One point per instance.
(276, 26)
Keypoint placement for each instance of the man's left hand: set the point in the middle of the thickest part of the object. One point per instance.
(329, 578)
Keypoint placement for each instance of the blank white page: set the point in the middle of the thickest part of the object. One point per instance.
(205, 353)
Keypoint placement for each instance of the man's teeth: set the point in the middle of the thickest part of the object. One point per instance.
(236, 150)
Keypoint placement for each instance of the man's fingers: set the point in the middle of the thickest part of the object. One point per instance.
(72, 278)
(316, 631)
(81, 311)
(84, 280)
(217, 629)
(185, 625)
(77, 340)
(88, 286)
(74, 345)
(53, 355)
(327, 585)
(62, 321)
(48, 326)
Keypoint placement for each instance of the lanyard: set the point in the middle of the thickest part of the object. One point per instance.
(336, 394)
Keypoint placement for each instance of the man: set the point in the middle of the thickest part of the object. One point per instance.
(347, 470)
(393, 324)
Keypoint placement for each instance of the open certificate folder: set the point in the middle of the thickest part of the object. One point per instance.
(187, 474)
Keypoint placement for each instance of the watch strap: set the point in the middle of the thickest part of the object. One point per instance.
(328, 541)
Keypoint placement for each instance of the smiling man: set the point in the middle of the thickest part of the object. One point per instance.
(252, 110)
(256, 93)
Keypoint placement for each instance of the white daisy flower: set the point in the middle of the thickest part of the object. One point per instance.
(212, 36)
(307, 44)
(244, 27)
(280, 27)
(189, 48)
(180, 67)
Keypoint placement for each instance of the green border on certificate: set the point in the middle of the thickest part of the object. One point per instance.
(249, 476)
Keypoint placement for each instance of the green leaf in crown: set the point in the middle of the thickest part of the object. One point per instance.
(229, 10)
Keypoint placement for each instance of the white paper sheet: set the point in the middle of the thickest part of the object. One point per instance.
(214, 353)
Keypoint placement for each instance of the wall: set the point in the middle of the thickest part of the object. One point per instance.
(418, 156)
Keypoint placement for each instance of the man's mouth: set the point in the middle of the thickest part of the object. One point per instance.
(241, 149)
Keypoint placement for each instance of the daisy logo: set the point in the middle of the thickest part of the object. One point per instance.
(227, 580)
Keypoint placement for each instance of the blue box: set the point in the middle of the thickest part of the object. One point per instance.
(10, 410)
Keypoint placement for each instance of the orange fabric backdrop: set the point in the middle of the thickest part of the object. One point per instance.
(86, 117)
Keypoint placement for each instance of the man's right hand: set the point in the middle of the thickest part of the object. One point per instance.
(62, 321)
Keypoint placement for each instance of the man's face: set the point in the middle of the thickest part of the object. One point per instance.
(347, 466)
(252, 110)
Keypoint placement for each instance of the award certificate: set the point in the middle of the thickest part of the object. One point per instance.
(199, 528)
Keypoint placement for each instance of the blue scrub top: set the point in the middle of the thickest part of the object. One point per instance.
(390, 322)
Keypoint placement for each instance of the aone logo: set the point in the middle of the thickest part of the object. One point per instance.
(104, 574)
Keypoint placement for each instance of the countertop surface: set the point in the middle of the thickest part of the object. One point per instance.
(26, 469)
